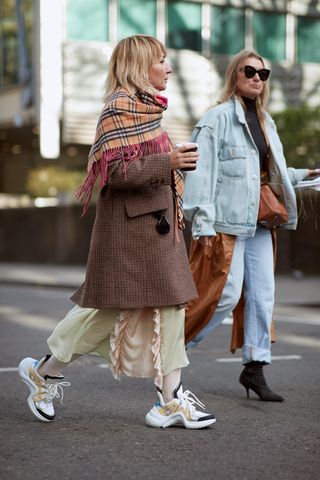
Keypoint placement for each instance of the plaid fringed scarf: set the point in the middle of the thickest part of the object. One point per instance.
(128, 128)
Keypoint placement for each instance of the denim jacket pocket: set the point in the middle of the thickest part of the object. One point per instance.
(233, 161)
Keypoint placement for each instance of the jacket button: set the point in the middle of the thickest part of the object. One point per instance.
(254, 177)
(253, 151)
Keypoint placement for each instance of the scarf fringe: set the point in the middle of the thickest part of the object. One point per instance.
(126, 155)
(84, 192)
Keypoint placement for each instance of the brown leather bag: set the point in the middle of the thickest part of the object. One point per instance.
(272, 213)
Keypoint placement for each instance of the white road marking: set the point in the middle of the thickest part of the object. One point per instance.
(285, 314)
(275, 357)
(34, 321)
(302, 340)
(220, 360)
(303, 320)
(15, 369)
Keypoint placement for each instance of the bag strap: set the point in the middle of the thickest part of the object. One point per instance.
(265, 176)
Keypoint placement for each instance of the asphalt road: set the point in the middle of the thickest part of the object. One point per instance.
(100, 433)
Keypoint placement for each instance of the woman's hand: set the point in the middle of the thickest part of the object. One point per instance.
(205, 241)
(182, 158)
(315, 171)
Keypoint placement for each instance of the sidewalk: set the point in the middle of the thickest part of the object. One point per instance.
(289, 291)
(62, 276)
(301, 291)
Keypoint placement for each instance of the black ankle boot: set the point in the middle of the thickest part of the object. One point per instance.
(252, 377)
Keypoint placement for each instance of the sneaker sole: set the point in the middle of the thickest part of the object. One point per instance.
(157, 421)
(24, 365)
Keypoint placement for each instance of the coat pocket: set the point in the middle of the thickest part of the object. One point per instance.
(147, 203)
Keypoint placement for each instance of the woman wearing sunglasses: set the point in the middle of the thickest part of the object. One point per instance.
(130, 309)
(232, 252)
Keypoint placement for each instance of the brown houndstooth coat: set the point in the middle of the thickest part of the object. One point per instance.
(130, 264)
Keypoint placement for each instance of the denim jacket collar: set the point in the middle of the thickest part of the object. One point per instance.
(239, 110)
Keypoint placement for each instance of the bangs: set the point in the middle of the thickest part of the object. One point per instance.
(154, 48)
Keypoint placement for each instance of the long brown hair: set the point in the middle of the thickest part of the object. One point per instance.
(230, 85)
(130, 64)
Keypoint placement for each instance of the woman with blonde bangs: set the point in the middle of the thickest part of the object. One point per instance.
(233, 244)
(130, 309)
(139, 52)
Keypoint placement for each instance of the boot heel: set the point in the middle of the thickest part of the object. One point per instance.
(252, 377)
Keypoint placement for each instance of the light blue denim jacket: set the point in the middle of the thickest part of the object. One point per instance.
(222, 194)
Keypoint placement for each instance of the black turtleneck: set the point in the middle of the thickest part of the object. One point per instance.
(256, 130)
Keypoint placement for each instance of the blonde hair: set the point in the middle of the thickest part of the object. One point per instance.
(130, 64)
(230, 86)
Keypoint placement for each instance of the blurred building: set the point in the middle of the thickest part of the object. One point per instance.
(54, 60)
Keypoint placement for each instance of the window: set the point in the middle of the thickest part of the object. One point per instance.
(269, 33)
(137, 16)
(27, 13)
(228, 30)
(88, 20)
(9, 44)
(308, 39)
(184, 25)
(10, 38)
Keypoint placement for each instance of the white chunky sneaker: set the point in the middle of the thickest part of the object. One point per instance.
(180, 410)
(42, 390)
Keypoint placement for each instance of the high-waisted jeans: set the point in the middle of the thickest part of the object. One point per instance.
(251, 270)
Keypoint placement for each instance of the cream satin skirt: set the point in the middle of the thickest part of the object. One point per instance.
(147, 342)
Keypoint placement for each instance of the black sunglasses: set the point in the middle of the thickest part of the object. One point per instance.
(251, 71)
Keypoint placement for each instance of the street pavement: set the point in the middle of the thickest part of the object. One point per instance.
(100, 432)
(291, 290)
